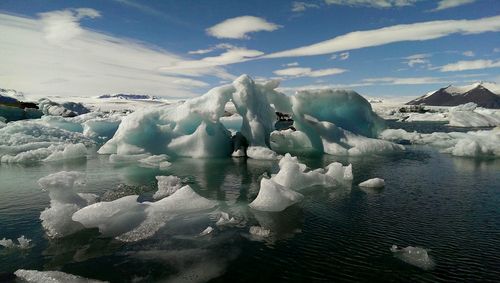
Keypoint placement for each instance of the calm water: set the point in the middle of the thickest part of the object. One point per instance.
(447, 204)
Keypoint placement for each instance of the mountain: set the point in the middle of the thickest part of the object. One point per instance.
(484, 94)
(128, 96)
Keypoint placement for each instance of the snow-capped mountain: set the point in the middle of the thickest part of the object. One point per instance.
(128, 96)
(484, 94)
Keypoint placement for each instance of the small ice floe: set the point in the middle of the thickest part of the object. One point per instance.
(24, 243)
(224, 220)
(415, 256)
(167, 185)
(35, 276)
(375, 183)
(260, 232)
(207, 231)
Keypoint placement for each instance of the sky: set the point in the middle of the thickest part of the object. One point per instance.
(177, 49)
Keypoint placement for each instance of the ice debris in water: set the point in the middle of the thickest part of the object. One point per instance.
(207, 231)
(260, 232)
(129, 220)
(167, 185)
(416, 256)
(64, 201)
(274, 197)
(468, 144)
(155, 161)
(333, 122)
(278, 192)
(24, 243)
(224, 220)
(35, 276)
(374, 183)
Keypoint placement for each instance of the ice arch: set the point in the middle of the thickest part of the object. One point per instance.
(328, 121)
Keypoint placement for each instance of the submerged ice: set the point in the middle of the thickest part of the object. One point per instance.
(415, 256)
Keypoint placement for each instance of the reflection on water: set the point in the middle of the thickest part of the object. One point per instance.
(443, 203)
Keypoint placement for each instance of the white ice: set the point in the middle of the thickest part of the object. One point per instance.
(64, 201)
(483, 143)
(35, 276)
(327, 121)
(167, 185)
(274, 197)
(22, 243)
(260, 232)
(374, 183)
(416, 256)
(129, 220)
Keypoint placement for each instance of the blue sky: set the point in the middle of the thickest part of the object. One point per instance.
(183, 48)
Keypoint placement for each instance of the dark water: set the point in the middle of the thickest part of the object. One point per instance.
(447, 204)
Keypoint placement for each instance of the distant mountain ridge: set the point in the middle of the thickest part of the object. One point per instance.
(128, 96)
(484, 94)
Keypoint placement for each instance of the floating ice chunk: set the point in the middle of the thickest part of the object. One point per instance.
(129, 221)
(24, 243)
(35, 276)
(207, 231)
(224, 220)
(113, 218)
(374, 183)
(167, 185)
(64, 201)
(70, 151)
(274, 197)
(294, 175)
(414, 255)
(260, 232)
(262, 153)
(155, 161)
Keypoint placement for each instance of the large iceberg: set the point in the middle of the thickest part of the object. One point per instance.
(327, 121)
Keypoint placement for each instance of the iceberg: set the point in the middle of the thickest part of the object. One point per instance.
(64, 201)
(326, 121)
(259, 232)
(469, 115)
(415, 256)
(274, 197)
(483, 143)
(128, 220)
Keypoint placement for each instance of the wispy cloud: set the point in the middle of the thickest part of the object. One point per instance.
(151, 11)
(292, 64)
(405, 81)
(398, 33)
(468, 53)
(298, 6)
(418, 60)
(470, 65)
(447, 4)
(240, 27)
(308, 72)
(213, 48)
(372, 3)
(54, 55)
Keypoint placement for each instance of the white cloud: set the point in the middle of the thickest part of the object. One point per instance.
(230, 56)
(292, 64)
(54, 55)
(213, 48)
(470, 65)
(468, 53)
(418, 59)
(239, 27)
(372, 3)
(344, 56)
(446, 4)
(398, 33)
(298, 6)
(308, 72)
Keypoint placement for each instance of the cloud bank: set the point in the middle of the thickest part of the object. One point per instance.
(55, 55)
